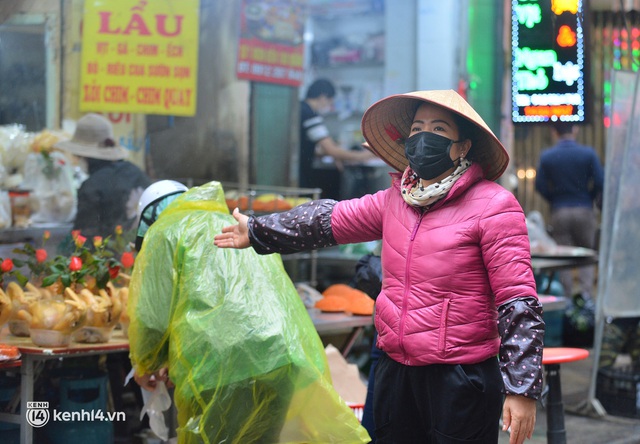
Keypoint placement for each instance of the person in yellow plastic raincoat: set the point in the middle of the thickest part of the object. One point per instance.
(245, 358)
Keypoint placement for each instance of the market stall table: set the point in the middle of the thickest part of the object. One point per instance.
(562, 257)
(552, 303)
(31, 354)
(325, 323)
(328, 323)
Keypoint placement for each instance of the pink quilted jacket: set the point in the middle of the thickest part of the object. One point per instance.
(446, 270)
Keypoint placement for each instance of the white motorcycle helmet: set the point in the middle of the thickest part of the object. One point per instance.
(153, 200)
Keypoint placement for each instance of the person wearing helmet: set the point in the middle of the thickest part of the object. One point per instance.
(152, 201)
(228, 329)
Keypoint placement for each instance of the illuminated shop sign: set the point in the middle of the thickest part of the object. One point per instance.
(548, 61)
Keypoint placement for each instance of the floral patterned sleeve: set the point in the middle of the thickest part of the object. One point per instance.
(521, 331)
(305, 227)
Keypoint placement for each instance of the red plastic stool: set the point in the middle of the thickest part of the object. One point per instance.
(552, 357)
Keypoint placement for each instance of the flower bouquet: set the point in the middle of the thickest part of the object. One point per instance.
(91, 274)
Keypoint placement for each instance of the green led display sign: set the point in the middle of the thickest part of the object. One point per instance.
(547, 61)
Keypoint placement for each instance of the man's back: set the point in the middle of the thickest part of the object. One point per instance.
(569, 175)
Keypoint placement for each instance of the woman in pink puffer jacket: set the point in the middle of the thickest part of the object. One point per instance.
(458, 317)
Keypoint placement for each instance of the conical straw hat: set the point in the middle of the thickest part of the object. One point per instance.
(387, 123)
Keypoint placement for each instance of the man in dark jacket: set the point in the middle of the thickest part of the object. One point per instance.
(110, 195)
(570, 177)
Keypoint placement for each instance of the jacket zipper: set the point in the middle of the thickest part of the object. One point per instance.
(405, 295)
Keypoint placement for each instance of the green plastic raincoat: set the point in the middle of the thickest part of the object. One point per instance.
(245, 358)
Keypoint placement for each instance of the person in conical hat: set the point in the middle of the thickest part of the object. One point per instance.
(108, 197)
(458, 317)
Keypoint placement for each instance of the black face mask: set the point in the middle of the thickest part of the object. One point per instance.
(429, 154)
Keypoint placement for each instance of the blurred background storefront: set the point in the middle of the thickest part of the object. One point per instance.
(245, 131)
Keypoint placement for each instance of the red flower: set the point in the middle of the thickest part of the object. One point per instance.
(127, 259)
(80, 240)
(41, 255)
(75, 234)
(6, 266)
(113, 272)
(75, 263)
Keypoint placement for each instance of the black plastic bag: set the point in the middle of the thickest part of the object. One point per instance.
(368, 277)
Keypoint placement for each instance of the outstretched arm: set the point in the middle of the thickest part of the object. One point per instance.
(303, 228)
(234, 236)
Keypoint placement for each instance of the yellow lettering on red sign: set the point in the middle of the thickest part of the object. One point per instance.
(296, 60)
(258, 54)
(244, 51)
(285, 58)
(272, 56)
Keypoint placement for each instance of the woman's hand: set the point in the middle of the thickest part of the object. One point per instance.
(519, 415)
(149, 381)
(234, 236)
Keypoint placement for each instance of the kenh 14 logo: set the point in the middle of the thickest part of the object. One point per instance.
(37, 413)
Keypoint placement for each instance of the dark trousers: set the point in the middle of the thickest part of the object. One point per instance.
(437, 404)
(367, 414)
(575, 226)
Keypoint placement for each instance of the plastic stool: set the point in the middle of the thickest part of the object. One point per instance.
(552, 357)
